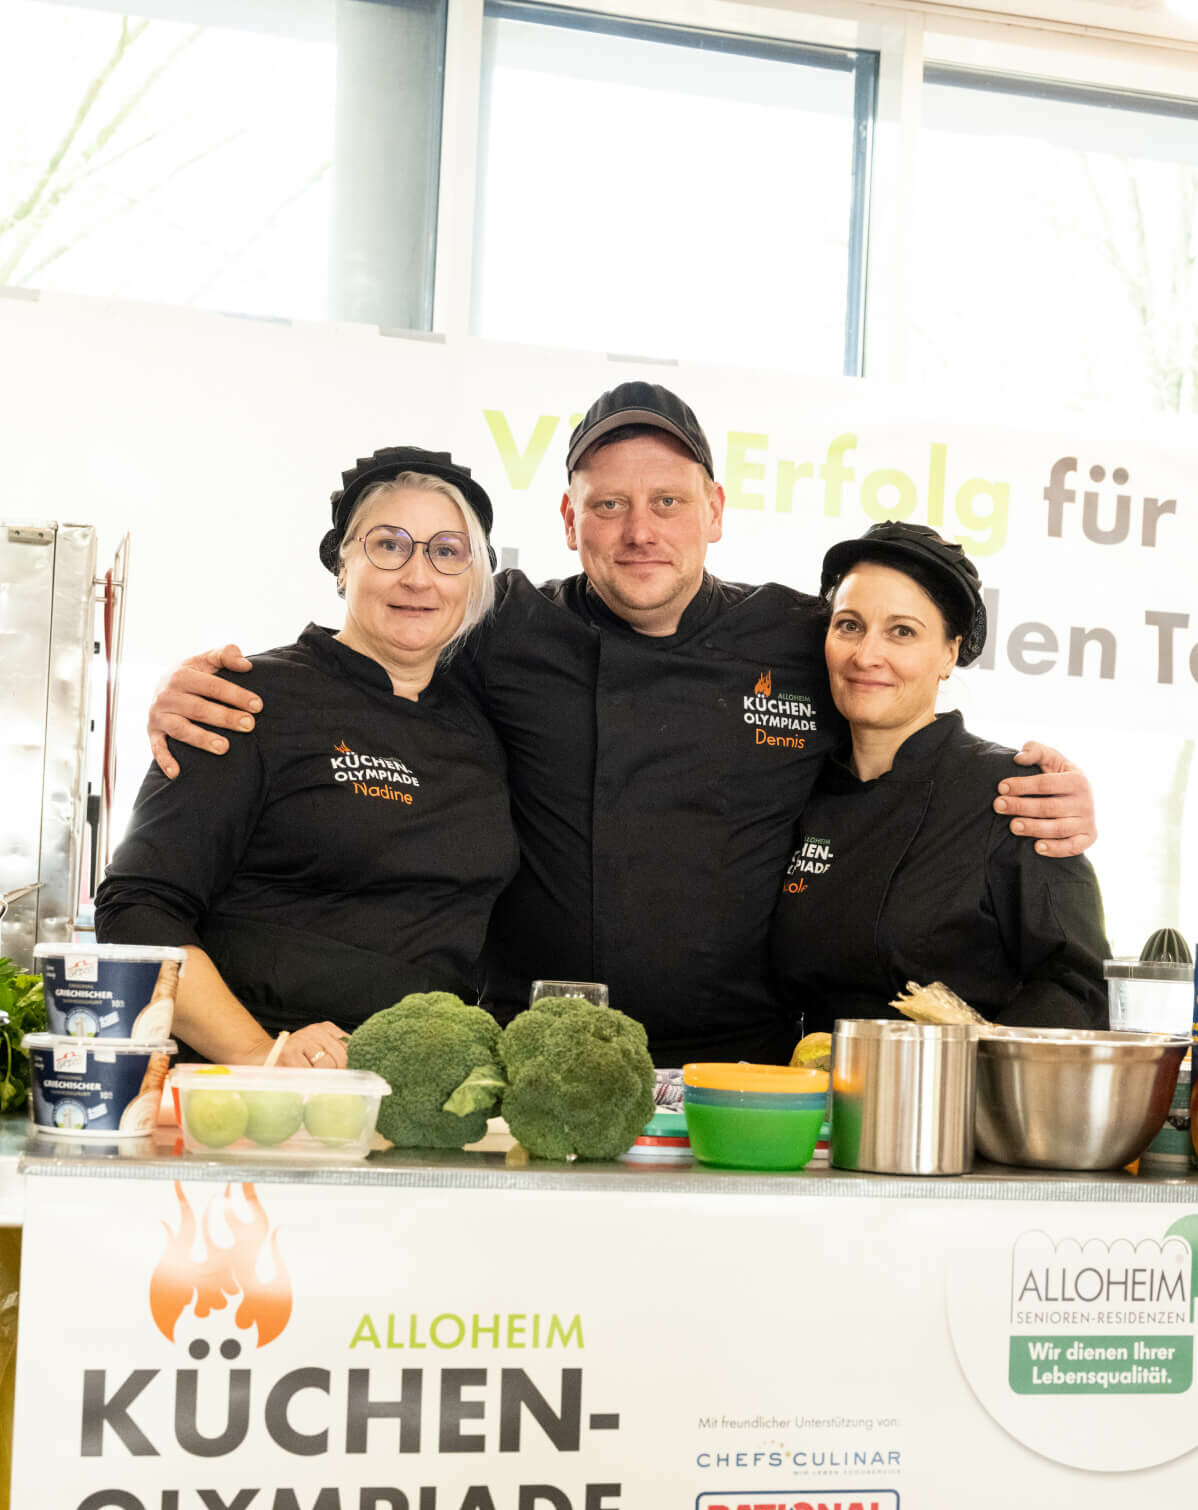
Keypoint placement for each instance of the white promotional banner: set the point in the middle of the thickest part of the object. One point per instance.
(600, 1346)
(217, 441)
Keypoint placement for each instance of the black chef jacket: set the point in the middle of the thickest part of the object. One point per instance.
(346, 852)
(914, 877)
(655, 783)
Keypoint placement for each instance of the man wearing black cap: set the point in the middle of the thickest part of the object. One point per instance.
(645, 569)
(663, 730)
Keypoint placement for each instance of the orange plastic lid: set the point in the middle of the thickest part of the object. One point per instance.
(791, 1080)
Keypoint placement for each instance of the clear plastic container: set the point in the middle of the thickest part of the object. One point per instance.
(1150, 996)
(250, 1112)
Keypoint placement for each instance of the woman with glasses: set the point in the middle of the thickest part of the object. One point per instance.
(357, 852)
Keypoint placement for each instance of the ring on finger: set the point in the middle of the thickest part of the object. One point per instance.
(319, 1054)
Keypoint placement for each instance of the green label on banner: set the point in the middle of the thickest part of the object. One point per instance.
(1101, 1365)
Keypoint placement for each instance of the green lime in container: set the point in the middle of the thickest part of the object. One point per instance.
(754, 1116)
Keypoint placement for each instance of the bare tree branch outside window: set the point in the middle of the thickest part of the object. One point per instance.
(155, 172)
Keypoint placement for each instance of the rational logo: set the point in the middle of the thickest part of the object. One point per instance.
(197, 1271)
(825, 1499)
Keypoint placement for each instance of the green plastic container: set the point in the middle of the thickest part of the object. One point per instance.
(754, 1116)
(754, 1137)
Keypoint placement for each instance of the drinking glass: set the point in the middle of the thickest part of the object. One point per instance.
(588, 990)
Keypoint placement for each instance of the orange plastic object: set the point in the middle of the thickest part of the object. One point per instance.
(767, 1079)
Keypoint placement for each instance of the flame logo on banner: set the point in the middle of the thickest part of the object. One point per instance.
(221, 1272)
(765, 683)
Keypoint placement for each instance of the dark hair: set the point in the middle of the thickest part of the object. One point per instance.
(957, 615)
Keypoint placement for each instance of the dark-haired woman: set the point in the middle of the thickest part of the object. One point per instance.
(902, 871)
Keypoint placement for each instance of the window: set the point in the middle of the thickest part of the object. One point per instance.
(654, 191)
(284, 164)
(1057, 240)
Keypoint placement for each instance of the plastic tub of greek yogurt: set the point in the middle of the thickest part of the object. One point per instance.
(95, 1087)
(110, 990)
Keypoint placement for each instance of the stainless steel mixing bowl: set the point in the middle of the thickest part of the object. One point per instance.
(1055, 1098)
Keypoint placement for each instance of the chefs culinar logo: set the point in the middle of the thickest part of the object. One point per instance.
(791, 714)
(383, 776)
(815, 857)
(197, 1271)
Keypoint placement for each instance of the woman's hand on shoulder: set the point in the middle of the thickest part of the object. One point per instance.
(1055, 806)
(192, 694)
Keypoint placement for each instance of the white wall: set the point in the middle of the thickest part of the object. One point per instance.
(216, 443)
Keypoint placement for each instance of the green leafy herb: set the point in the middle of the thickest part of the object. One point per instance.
(21, 998)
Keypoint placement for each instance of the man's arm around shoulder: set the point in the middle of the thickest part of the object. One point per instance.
(192, 694)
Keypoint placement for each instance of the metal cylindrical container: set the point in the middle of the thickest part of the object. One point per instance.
(903, 1096)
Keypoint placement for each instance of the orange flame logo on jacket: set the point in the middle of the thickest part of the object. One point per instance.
(342, 748)
(765, 683)
(221, 1272)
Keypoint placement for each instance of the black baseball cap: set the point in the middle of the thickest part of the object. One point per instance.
(916, 542)
(640, 404)
(384, 466)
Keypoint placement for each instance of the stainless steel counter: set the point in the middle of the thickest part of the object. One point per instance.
(156, 1158)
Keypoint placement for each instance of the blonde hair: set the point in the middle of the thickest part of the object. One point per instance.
(480, 596)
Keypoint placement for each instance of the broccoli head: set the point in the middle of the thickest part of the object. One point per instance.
(580, 1079)
(425, 1047)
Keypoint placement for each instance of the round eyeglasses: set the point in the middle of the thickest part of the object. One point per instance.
(389, 547)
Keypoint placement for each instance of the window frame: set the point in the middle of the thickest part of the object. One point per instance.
(862, 63)
(1141, 102)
